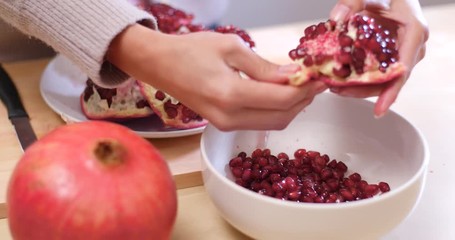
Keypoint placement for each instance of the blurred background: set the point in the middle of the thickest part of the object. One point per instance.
(15, 46)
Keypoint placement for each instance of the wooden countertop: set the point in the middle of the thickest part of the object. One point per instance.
(427, 100)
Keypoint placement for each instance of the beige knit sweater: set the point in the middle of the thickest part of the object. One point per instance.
(80, 29)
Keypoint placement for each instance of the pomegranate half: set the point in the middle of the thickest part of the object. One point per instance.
(91, 180)
(359, 51)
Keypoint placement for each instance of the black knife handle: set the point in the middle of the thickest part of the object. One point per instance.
(10, 96)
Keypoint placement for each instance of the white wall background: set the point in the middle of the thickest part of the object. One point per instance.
(243, 13)
(250, 13)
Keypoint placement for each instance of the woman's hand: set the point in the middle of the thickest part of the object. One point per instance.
(202, 71)
(404, 16)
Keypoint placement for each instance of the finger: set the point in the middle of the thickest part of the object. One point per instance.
(253, 94)
(388, 97)
(258, 68)
(255, 119)
(358, 91)
(345, 8)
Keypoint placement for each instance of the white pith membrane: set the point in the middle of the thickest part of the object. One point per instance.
(123, 104)
(324, 43)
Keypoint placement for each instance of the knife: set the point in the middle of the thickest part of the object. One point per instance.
(16, 111)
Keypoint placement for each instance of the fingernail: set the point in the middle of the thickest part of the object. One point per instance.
(383, 4)
(379, 115)
(289, 69)
(339, 12)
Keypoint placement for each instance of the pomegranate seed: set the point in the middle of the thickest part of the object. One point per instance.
(300, 153)
(345, 58)
(384, 187)
(294, 196)
(342, 167)
(347, 195)
(242, 155)
(347, 182)
(332, 164)
(282, 155)
(371, 189)
(320, 28)
(345, 40)
(246, 175)
(326, 173)
(236, 162)
(342, 72)
(266, 152)
(355, 177)
(247, 164)
(256, 153)
(160, 95)
(308, 61)
(237, 172)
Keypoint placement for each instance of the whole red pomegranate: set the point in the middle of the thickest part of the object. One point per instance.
(91, 180)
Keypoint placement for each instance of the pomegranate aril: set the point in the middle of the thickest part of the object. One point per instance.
(236, 162)
(256, 153)
(347, 195)
(300, 153)
(282, 155)
(344, 58)
(237, 172)
(308, 61)
(347, 182)
(343, 71)
(160, 95)
(246, 175)
(355, 177)
(326, 173)
(345, 40)
(342, 167)
(384, 187)
(371, 189)
(294, 196)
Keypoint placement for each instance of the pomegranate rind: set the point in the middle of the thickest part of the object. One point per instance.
(123, 104)
(394, 71)
(158, 107)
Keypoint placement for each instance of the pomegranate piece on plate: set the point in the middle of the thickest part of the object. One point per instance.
(172, 20)
(357, 52)
(123, 102)
(171, 111)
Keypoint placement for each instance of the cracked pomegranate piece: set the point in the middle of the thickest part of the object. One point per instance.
(123, 102)
(235, 30)
(356, 52)
(171, 111)
(172, 20)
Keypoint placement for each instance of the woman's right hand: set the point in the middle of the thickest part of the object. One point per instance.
(202, 71)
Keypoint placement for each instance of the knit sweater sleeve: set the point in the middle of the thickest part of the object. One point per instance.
(81, 30)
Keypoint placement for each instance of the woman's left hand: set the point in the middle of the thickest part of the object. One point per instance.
(405, 16)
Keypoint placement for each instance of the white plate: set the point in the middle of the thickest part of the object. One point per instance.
(61, 86)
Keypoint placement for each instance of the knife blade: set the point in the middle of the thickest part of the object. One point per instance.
(16, 111)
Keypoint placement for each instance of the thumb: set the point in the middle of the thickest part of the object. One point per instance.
(345, 8)
(257, 68)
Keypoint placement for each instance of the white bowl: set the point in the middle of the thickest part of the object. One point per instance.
(389, 149)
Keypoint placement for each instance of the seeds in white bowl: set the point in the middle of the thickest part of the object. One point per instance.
(308, 177)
